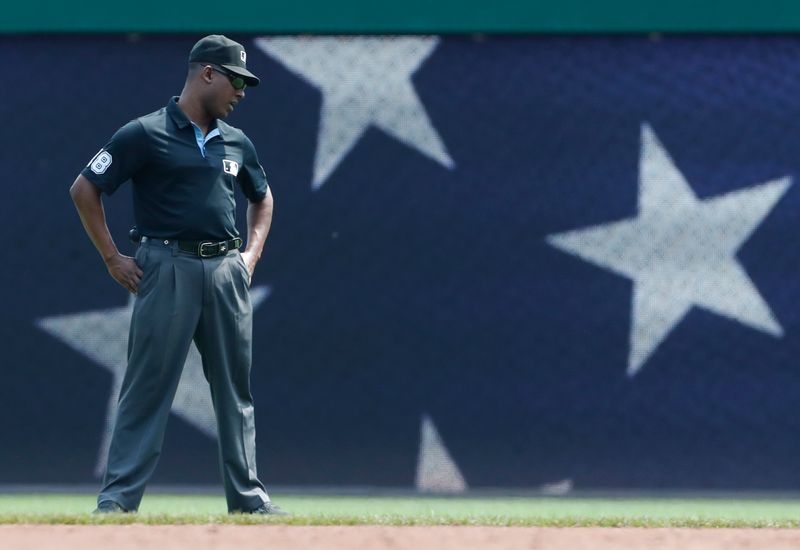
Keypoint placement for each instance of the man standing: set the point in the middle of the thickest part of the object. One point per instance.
(190, 281)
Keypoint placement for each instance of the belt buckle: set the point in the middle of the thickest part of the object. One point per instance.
(200, 249)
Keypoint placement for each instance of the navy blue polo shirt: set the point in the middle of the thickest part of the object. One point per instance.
(183, 186)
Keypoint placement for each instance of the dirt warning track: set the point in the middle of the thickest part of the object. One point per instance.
(236, 537)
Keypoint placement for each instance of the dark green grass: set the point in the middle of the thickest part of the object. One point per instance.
(358, 510)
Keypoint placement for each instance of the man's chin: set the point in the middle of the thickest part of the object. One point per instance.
(225, 111)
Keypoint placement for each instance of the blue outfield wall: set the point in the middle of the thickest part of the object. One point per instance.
(444, 246)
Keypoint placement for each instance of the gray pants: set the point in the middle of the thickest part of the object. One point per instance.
(183, 298)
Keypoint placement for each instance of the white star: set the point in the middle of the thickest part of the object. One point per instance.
(102, 336)
(679, 251)
(364, 81)
(437, 472)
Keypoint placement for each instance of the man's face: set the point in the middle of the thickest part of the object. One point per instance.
(222, 97)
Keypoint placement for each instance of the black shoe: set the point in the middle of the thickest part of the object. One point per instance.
(109, 507)
(269, 509)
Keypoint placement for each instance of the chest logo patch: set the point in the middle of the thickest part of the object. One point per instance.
(101, 161)
(230, 167)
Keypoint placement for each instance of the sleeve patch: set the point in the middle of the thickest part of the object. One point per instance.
(101, 161)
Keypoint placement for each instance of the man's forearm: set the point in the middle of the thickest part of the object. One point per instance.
(259, 219)
(90, 209)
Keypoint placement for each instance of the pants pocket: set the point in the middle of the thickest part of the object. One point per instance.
(245, 271)
(150, 268)
(141, 256)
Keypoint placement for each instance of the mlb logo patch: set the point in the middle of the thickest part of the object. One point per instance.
(230, 167)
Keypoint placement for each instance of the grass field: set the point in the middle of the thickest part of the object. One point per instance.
(359, 510)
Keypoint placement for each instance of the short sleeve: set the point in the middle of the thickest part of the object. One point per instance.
(252, 177)
(120, 159)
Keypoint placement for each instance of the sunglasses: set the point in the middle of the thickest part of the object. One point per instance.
(237, 81)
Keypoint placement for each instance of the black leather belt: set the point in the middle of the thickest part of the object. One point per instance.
(209, 249)
(204, 249)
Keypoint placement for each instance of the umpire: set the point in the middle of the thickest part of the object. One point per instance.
(190, 280)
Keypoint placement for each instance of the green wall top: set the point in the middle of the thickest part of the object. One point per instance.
(409, 16)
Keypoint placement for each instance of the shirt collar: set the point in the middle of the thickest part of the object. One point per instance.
(180, 118)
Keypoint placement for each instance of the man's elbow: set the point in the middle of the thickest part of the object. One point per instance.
(266, 203)
(73, 190)
(80, 188)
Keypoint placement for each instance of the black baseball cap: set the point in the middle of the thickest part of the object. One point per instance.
(217, 49)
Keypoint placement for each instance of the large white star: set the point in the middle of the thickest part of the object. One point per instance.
(102, 336)
(679, 251)
(364, 81)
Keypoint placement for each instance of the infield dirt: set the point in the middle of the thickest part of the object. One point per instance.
(236, 537)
